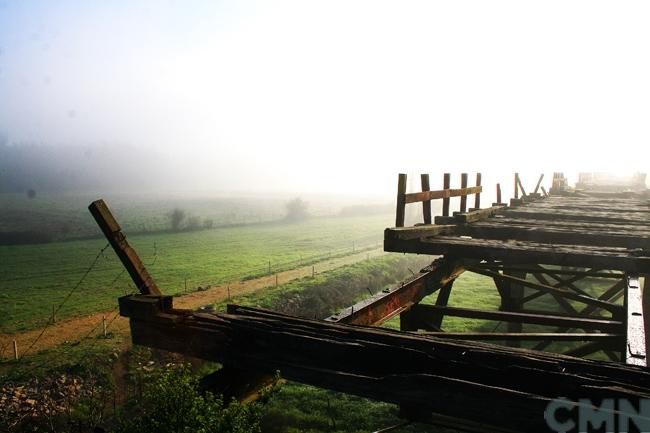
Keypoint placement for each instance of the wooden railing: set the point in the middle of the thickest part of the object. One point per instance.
(445, 194)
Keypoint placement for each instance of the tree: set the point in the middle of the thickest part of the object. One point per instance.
(176, 218)
(297, 210)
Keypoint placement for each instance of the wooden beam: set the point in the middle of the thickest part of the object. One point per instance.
(424, 312)
(521, 187)
(401, 200)
(127, 255)
(388, 303)
(416, 197)
(635, 344)
(498, 193)
(539, 182)
(446, 184)
(477, 197)
(460, 379)
(526, 336)
(550, 289)
(426, 204)
(463, 198)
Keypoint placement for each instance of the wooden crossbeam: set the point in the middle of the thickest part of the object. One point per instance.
(615, 309)
(415, 197)
(422, 313)
(527, 336)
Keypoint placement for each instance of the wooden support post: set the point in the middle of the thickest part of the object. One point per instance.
(477, 197)
(124, 251)
(463, 198)
(539, 182)
(544, 191)
(511, 301)
(446, 184)
(15, 350)
(426, 205)
(498, 193)
(442, 301)
(401, 200)
(521, 187)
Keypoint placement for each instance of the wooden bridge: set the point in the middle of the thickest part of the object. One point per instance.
(567, 264)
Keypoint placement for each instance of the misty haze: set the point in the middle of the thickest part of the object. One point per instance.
(343, 216)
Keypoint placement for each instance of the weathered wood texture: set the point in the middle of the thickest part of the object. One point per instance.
(498, 387)
(127, 255)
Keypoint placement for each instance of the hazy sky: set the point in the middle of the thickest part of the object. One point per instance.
(333, 95)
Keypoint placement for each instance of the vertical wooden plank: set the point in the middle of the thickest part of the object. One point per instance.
(446, 184)
(463, 198)
(516, 186)
(477, 197)
(442, 300)
(521, 187)
(401, 200)
(498, 193)
(124, 251)
(426, 205)
(539, 182)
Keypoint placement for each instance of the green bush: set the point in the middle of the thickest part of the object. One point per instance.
(171, 403)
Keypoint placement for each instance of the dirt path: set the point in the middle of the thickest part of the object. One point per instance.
(77, 328)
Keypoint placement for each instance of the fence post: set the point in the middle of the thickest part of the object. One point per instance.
(104, 324)
(276, 280)
(426, 204)
(401, 200)
(477, 197)
(463, 198)
(446, 184)
(186, 285)
(53, 313)
(498, 193)
(15, 350)
(312, 271)
(269, 267)
(229, 292)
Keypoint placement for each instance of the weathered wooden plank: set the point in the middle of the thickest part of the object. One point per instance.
(415, 197)
(539, 183)
(423, 312)
(426, 204)
(554, 234)
(401, 200)
(527, 336)
(525, 252)
(560, 214)
(446, 184)
(127, 255)
(477, 197)
(417, 232)
(477, 215)
(635, 345)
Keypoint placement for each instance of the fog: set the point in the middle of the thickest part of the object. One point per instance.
(321, 97)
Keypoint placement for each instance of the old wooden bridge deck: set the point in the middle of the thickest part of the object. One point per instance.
(568, 268)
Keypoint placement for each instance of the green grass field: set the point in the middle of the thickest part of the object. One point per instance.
(33, 278)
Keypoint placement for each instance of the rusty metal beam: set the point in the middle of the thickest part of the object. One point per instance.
(384, 305)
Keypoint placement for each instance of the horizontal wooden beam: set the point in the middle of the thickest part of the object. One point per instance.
(459, 379)
(421, 312)
(415, 197)
(388, 303)
(526, 336)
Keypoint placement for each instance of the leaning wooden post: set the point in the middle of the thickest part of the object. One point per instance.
(426, 204)
(446, 184)
(124, 251)
(539, 182)
(477, 197)
(516, 186)
(463, 198)
(401, 200)
(498, 193)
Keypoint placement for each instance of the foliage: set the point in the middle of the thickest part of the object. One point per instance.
(176, 218)
(172, 403)
(297, 210)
